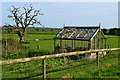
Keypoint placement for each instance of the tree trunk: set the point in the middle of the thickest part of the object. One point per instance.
(21, 38)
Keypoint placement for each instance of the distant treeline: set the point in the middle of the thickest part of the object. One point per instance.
(111, 31)
(8, 29)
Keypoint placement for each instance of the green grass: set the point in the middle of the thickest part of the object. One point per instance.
(49, 32)
(56, 67)
(112, 41)
(29, 36)
(47, 46)
(108, 69)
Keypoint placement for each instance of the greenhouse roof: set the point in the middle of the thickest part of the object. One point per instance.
(77, 33)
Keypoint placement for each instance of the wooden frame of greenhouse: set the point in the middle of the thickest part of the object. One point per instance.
(77, 38)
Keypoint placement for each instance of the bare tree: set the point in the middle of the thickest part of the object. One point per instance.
(25, 19)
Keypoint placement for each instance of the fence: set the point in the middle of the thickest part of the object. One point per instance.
(43, 58)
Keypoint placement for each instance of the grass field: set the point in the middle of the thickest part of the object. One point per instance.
(112, 41)
(56, 67)
(48, 32)
(47, 46)
(29, 36)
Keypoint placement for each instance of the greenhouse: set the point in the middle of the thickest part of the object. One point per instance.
(77, 38)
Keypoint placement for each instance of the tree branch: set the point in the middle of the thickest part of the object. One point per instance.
(28, 17)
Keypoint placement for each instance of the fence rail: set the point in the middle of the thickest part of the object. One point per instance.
(43, 58)
(53, 56)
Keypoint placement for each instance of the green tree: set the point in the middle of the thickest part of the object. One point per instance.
(113, 31)
(105, 31)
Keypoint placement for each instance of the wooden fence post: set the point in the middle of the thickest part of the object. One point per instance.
(97, 58)
(38, 47)
(6, 45)
(44, 69)
(54, 46)
(65, 62)
(23, 60)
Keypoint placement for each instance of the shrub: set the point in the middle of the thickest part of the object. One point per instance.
(10, 48)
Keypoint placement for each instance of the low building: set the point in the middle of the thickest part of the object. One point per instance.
(77, 38)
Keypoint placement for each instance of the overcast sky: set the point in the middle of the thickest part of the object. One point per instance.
(56, 14)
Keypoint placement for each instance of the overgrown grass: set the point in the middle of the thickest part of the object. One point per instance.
(57, 68)
(108, 69)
